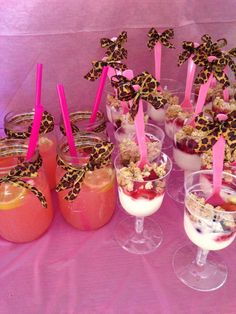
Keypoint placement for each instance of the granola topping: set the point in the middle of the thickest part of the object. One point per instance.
(130, 152)
(149, 175)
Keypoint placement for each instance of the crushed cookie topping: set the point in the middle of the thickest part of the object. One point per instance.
(127, 176)
(130, 152)
(189, 132)
(220, 104)
(176, 111)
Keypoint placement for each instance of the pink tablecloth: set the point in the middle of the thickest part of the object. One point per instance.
(69, 271)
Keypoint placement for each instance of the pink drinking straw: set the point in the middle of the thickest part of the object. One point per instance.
(66, 119)
(218, 163)
(157, 58)
(99, 94)
(38, 84)
(140, 134)
(33, 140)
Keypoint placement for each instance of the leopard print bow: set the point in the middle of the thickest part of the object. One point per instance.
(26, 169)
(189, 49)
(163, 38)
(72, 179)
(114, 47)
(216, 67)
(47, 125)
(83, 115)
(96, 71)
(214, 128)
(147, 91)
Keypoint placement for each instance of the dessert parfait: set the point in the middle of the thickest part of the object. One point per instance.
(141, 191)
(185, 151)
(219, 105)
(209, 227)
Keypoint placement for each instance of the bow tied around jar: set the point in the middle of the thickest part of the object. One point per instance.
(46, 126)
(99, 157)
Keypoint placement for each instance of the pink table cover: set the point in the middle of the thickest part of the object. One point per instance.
(68, 271)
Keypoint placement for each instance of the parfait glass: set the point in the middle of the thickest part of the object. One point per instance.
(170, 87)
(185, 157)
(209, 228)
(141, 197)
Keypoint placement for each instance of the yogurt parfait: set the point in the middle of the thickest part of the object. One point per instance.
(141, 192)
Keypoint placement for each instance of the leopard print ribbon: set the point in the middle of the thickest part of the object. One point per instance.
(98, 66)
(213, 127)
(47, 125)
(147, 91)
(114, 47)
(216, 67)
(163, 38)
(84, 115)
(189, 49)
(26, 169)
(99, 157)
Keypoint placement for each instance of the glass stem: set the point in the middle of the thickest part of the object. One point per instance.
(201, 257)
(139, 224)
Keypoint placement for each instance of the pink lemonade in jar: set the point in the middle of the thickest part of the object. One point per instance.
(22, 216)
(95, 203)
(18, 123)
(94, 206)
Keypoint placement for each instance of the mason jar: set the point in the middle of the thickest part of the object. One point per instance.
(18, 126)
(24, 215)
(93, 206)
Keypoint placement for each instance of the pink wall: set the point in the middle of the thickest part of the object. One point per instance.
(64, 36)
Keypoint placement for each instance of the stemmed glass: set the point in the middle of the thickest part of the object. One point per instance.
(141, 196)
(210, 228)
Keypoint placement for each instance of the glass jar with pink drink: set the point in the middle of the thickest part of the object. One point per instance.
(26, 209)
(18, 126)
(86, 183)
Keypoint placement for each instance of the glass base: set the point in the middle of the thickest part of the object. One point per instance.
(138, 243)
(175, 189)
(209, 277)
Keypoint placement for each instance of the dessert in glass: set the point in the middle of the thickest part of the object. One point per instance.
(80, 122)
(18, 126)
(187, 158)
(141, 193)
(176, 116)
(210, 228)
(219, 105)
(94, 204)
(170, 87)
(25, 202)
